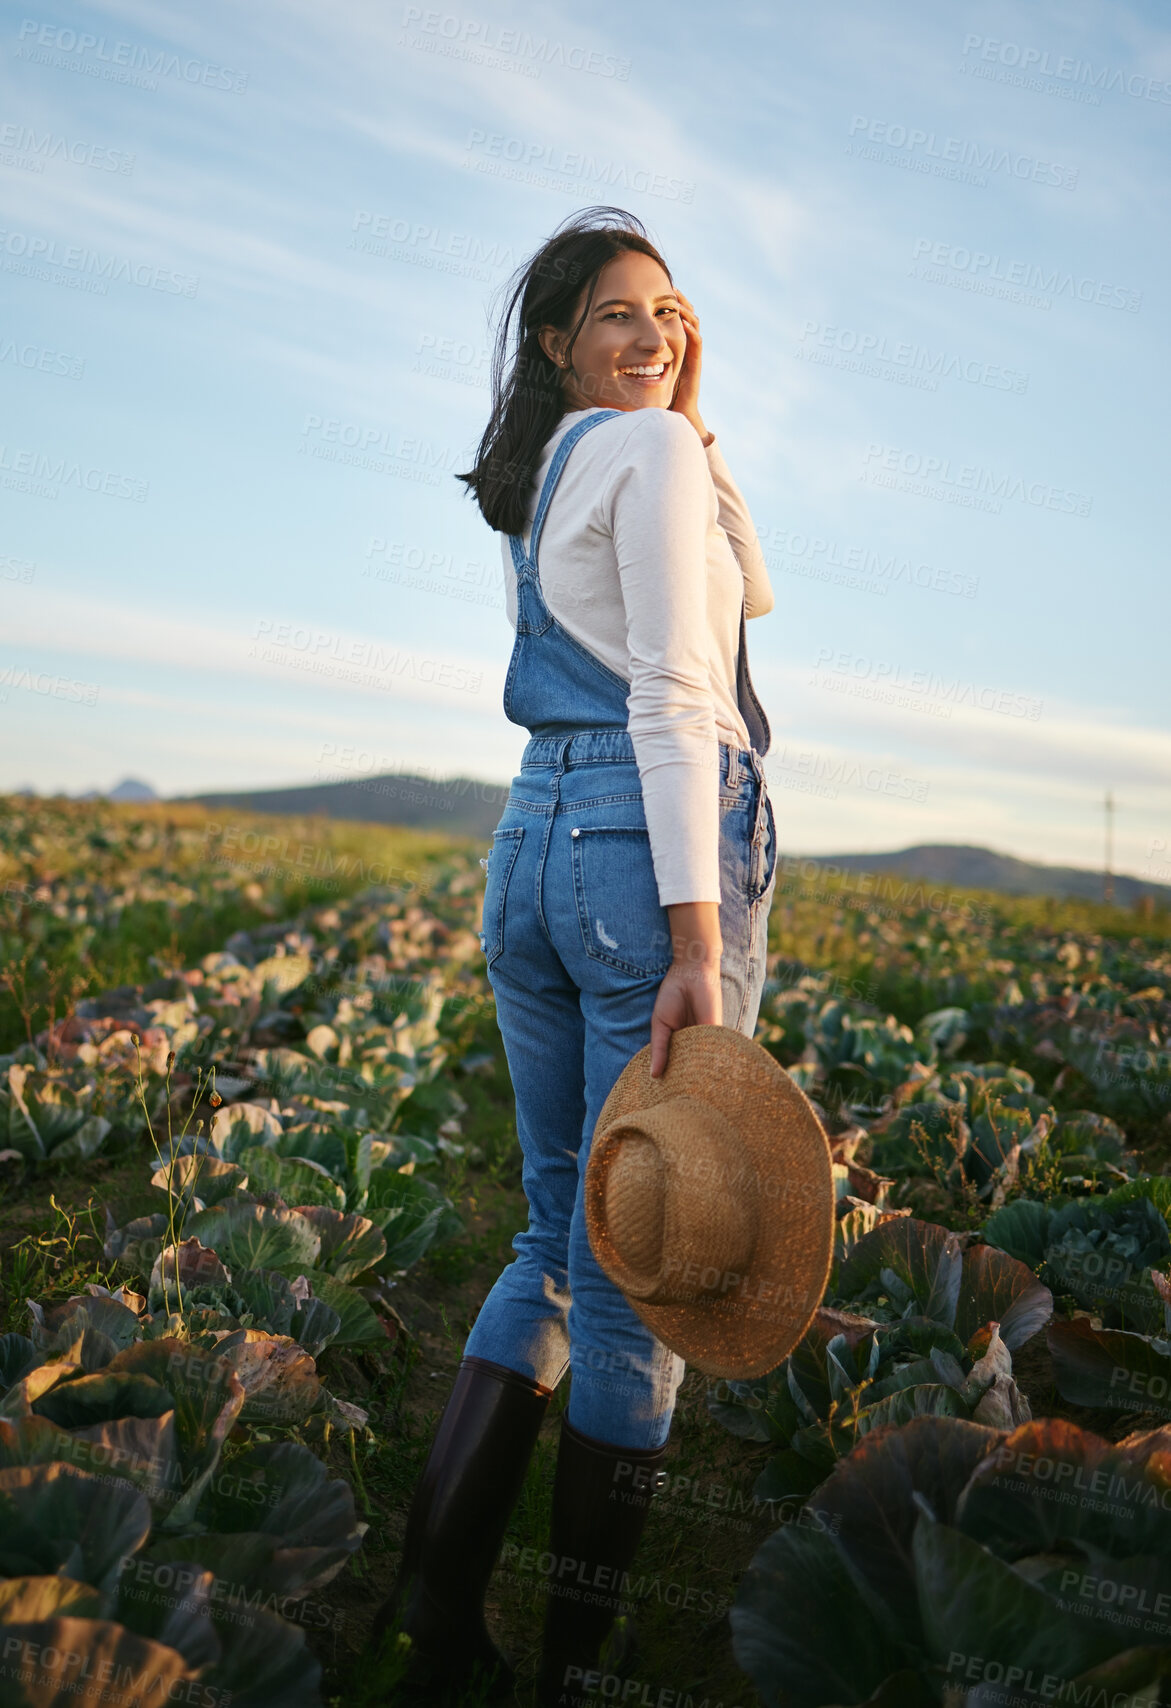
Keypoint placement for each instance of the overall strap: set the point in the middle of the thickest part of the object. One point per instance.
(751, 710)
(560, 455)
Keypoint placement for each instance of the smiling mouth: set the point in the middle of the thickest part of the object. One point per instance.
(645, 373)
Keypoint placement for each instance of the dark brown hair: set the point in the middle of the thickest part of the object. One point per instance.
(528, 397)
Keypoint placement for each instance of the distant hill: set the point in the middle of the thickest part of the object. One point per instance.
(129, 789)
(463, 806)
(964, 867)
(466, 806)
(132, 789)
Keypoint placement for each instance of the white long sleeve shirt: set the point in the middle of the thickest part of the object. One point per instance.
(646, 552)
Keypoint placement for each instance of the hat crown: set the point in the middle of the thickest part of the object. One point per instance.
(680, 1201)
(737, 1162)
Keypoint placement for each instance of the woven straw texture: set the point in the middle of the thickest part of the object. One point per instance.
(719, 1230)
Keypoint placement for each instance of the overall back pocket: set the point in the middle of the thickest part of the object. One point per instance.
(622, 921)
(501, 859)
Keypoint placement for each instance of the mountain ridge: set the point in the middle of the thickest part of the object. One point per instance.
(468, 806)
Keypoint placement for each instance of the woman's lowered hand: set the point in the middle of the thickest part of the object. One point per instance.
(690, 993)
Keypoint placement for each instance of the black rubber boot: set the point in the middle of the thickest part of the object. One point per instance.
(601, 1498)
(455, 1527)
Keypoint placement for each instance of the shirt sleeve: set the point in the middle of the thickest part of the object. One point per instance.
(659, 504)
(737, 524)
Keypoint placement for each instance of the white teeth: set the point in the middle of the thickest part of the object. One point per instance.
(659, 368)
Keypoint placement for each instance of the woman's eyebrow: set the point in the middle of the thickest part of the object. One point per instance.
(612, 302)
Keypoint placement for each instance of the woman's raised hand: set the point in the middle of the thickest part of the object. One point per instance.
(686, 398)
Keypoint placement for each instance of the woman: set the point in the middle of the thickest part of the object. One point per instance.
(627, 895)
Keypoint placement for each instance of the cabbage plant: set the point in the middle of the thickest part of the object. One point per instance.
(942, 1319)
(48, 1113)
(137, 1549)
(946, 1562)
(1099, 1252)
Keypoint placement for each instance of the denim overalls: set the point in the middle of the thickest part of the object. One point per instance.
(576, 945)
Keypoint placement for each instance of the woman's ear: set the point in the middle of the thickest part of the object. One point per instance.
(552, 342)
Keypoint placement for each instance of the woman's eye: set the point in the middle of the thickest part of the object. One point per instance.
(620, 313)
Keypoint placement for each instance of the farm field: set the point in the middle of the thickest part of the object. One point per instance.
(258, 1168)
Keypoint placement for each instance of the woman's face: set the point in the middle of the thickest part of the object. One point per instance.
(633, 326)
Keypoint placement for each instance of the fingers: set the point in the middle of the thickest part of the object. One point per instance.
(670, 1010)
(682, 1001)
(660, 1044)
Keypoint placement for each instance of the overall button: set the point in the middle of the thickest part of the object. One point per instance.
(575, 831)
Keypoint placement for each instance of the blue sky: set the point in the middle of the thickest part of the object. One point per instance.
(248, 260)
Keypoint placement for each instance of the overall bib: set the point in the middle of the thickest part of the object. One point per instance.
(576, 945)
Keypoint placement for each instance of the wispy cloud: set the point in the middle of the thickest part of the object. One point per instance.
(257, 192)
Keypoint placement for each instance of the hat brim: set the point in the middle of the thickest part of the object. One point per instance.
(758, 1319)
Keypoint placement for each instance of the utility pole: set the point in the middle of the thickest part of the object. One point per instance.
(1108, 874)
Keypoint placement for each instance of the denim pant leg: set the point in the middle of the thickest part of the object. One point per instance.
(623, 1378)
(571, 1021)
(522, 1324)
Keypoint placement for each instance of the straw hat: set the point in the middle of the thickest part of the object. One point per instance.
(709, 1201)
